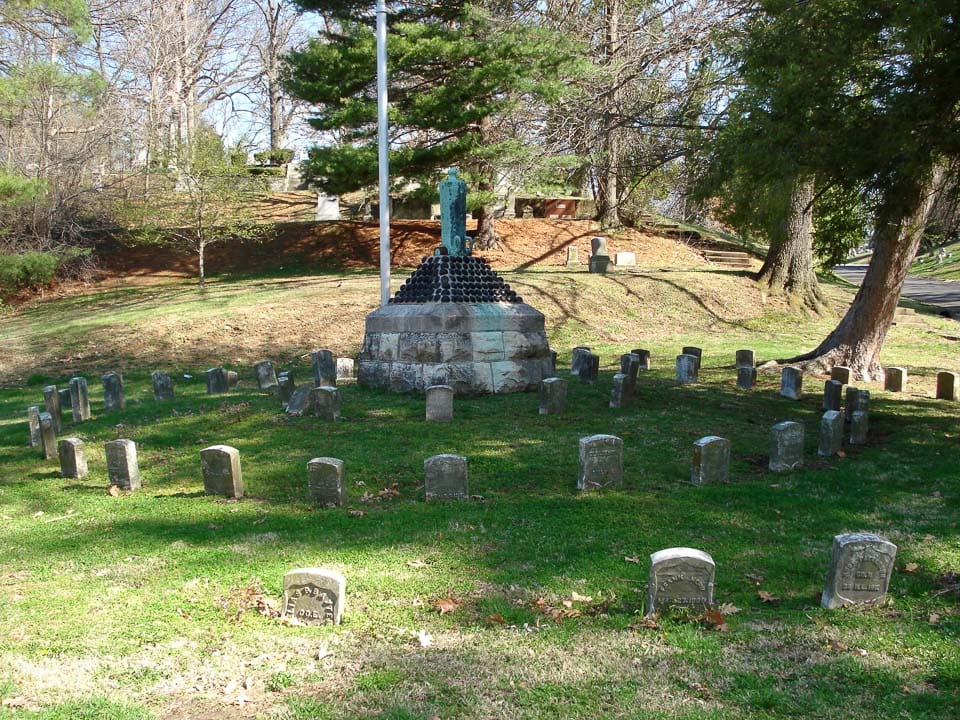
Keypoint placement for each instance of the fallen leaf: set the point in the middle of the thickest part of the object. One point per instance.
(728, 609)
(567, 603)
(260, 521)
(929, 538)
(775, 486)
(496, 619)
(38, 513)
(424, 639)
(860, 651)
(632, 559)
(577, 597)
(389, 492)
(767, 597)
(756, 578)
(841, 453)
(910, 567)
(115, 490)
(445, 605)
(367, 497)
(17, 701)
(934, 618)
(937, 494)
(714, 617)
(416, 563)
(647, 623)
(323, 652)
(356, 513)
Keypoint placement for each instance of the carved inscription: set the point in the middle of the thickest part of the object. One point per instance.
(310, 604)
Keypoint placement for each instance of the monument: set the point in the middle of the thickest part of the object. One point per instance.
(455, 322)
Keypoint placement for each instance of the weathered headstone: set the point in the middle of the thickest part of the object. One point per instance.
(345, 369)
(573, 255)
(65, 403)
(326, 403)
(220, 466)
(553, 395)
(266, 375)
(746, 377)
(313, 596)
(791, 383)
(445, 477)
(286, 386)
(162, 386)
(695, 351)
(786, 446)
(860, 568)
(686, 369)
(51, 399)
(553, 363)
(601, 462)
(113, 395)
(301, 400)
(832, 394)
(859, 426)
(600, 258)
(948, 385)
(711, 461)
(324, 368)
(33, 423)
(217, 382)
(682, 578)
(630, 366)
(644, 356)
(48, 436)
(590, 369)
(80, 399)
(745, 358)
(576, 361)
(831, 433)
(325, 478)
(625, 259)
(857, 400)
(620, 391)
(122, 467)
(840, 373)
(439, 403)
(233, 378)
(73, 459)
(895, 379)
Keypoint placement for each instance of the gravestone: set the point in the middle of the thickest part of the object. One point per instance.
(51, 399)
(625, 259)
(576, 359)
(65, 403)
(553, 395)
(162, 386)
(33, 423)
(599, 258)
(286, 386)
(73, 459)
(840, 373)
(644, 356)
(601, 462)
(301, 401)
(220, 466)
(857, 400)
(79, 399)
(711, 461)
(831, 433)
(313, 596)
(324, 368)
(895, 379)
(746, 377)
(859, 425)
(553, 363)
(345, 369)
(325, 479)
(440, 403)
(686, 369)
(573, 255)
(786, 446)
(695, 351)
(233, 379)
(326, 403)
(630, 366)
(48, 436)
(445, 477)
(217, 382)
(122, 467)
(590, 369)
(620, 391)
(948, 385)
(113, 395)
(680, 578)
(791, 383)
(266, 375)
(745, 358)
(832, 394)
(860, 568)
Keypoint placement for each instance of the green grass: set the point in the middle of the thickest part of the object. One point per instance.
(948, 269)
(145, 605)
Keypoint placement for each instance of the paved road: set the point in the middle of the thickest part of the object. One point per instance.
(943, 293)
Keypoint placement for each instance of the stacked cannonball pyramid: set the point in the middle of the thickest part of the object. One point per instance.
(446, 278)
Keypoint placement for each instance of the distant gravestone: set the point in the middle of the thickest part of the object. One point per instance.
(948, 385)
(745, 358)
(895, 379)
(162, 386)
(695, 351)
(445, 477)
(301, 400)
(325, 479)
(65, 404)
(217, 383)
(600, 258)
(266, 376)
(51, 399)
(686, 369)
(233, 378)
(644, 356)
(113, 395)
(746, 377)
(73, 459)
(80, 399)
(860, 568)
(590, 369)
(620, 391)
(573, 255)
(220, 467)
(345, 369)
(859, 425)
(630, 366)
(326, 403)
(601, 462)
(840, 373)
(553, 395)
(680, 578)
(857, 400)
(286, 386)
(122, 467)
(711, 461)
(786, 446)
(791, 383)
(553, 363)
(33, 423)
(576, 361)
(625, 259)
(48, 436)
(324, 368)
(313, 596)
(832, 394)
(439, 403)
(831, 433)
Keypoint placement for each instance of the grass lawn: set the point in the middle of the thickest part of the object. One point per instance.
(157, 604)
(947, 269)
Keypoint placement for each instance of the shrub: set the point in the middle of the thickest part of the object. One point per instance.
(32, 269)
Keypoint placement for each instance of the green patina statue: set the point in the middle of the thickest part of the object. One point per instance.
(453, 216)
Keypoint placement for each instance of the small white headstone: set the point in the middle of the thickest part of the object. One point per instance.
(680, 577)
(313, 596)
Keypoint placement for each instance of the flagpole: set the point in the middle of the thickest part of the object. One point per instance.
(383, 144)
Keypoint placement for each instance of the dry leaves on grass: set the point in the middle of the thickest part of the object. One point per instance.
(387, 493)
(715, 619)
(424, 639)
(557, 614)
(632, 559)
(910, 567)
(445, 605)
(356, 513)
(114, 490)
(767, 597)
(239, 601)
(416, 563)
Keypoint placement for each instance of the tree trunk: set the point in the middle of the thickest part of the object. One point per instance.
(487, 237)
(858, 339)
(608, 200)
(200, 270)
(788, 268)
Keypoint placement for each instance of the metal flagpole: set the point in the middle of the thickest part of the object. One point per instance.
(383, 143)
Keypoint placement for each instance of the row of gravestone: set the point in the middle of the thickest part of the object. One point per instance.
(859, 573)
